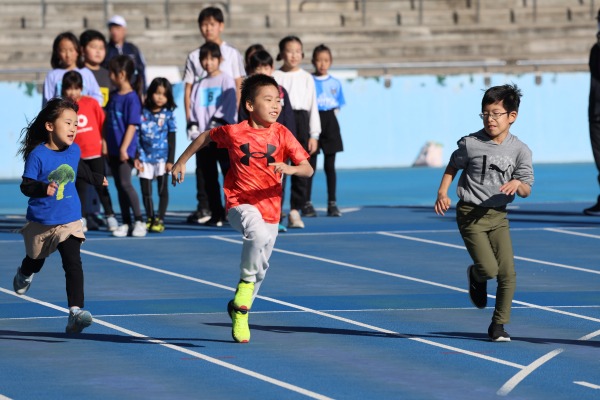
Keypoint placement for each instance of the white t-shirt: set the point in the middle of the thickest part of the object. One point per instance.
(300, 86)
(232, 64)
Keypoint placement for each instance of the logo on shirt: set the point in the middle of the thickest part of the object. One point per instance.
(245, 148)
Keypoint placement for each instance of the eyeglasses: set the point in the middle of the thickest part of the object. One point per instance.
(494, 116)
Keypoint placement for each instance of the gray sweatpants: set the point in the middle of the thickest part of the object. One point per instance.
(486, 234)
(258, 242)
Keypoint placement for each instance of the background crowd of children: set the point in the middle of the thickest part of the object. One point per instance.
(126, 125)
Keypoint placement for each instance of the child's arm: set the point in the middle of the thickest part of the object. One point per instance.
(187, 95)
(171, 156)
(303, 170)
(516, 186)
(178, 170)
(442, 204)
(37, 189)
(127, 138)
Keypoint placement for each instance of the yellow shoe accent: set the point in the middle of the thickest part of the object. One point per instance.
(240, 330)
(243, 296)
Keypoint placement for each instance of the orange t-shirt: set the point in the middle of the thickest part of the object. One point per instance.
(90, 119)
(250, 179)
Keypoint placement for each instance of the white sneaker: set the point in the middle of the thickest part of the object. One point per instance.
(21, 282)
(84, 225)
(111, 223)
(121, 231)
(294, 220)
(139, 229)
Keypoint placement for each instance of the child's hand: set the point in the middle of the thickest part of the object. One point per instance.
(442, 204)
(168, 167)
(105, 182)
(282, 168)
(313, 146)
(177, 173)
(52, 188)
(137, 164)
(510, 188)
(123, 156)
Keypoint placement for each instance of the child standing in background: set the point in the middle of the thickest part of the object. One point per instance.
(496, 165)
(252, 186)
(211, 24)
(156, 152)
(329, 100)
(213, 103)
(123, 116)
(89, 139)
(54, 211)
(301, 89)
(66, 56)
(93, 49)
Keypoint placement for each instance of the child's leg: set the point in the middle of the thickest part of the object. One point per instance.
(201, 195)
(146, 186)
(258, 242)
(97, 165)
(71, 259)
(507, 277)
(128, 197)
(211, 181)
(330, 174)
(163, 196)
(309, 181)
(31, 266)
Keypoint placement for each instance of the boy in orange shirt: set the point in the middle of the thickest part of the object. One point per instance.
(258, 148)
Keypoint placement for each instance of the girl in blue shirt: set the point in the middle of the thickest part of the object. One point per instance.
(52, 164)
(156, 151)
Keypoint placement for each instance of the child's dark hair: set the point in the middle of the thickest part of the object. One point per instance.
(283, 42)
(260, 58)
(253, 48)
(251, 84)
(154, 85)
(35, 133)
(124, 63)
(211, 12)
(210, 49)
(55, 60)
(319, 49)
(87, 36)
(71, 79)
(509, 95)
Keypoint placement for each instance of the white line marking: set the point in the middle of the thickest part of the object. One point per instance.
(309, 310)
(532, 260)
(2, 397)
(515, 380)
(587, 384)
(192, 353)
(572, 233)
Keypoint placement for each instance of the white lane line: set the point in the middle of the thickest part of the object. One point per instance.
(587, 384)
(515, 380)
(309, 310)
(2, 397)
(532, 260)
(557, 230)
(184, 350)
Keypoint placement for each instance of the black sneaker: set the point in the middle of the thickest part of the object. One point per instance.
(333, 210)
(214, 221)
(198, 217)
(497, 333)
(308, 210)
(477, 290)
(594, 210)
(91, 223)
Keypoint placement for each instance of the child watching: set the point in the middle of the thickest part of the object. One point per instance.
(213, 104)
(253, 185)
(93, 49)
(211, 24)
(496, 165)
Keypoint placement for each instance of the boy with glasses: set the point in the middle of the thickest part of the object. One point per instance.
(496, 165)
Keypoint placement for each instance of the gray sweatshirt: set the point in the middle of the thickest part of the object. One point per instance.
(488, 165)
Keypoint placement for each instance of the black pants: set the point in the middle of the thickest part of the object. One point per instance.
(330, 174)
(70, 251)
(207, 159)
(96, 165)
(163, 196)
(595, 140)
(128, 197)
(299, 186)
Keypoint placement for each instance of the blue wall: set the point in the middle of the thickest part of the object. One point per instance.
(386, 127)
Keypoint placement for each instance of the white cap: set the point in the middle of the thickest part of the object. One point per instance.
(117, 20)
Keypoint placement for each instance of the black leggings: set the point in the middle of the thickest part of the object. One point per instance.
(163, 196)
(128, 197)
(96, 165)
(330, 174)
(70, 251)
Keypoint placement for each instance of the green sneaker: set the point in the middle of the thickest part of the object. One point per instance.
(243, 296)
(149, 223)
(240, 331)
(158, 226)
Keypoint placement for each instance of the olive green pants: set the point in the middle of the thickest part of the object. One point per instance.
(486, 235)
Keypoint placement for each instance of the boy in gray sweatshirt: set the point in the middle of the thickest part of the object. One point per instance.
(496, 165)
